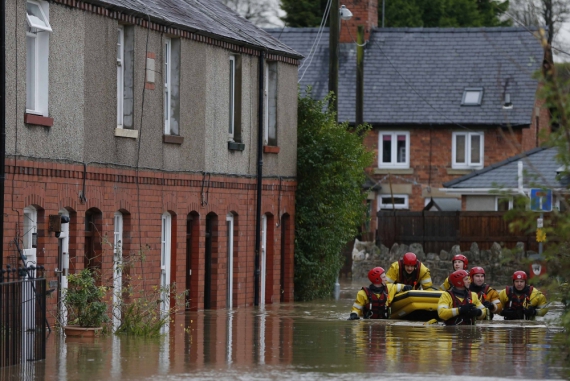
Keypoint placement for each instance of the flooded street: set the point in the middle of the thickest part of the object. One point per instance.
(307, 341)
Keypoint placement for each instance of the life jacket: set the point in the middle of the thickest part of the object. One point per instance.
(518, 301)
(459, 320)
(377, 306)
(409, 279)
(482, 294)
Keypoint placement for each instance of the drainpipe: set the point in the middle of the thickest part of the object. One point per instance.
(261, 101)
(2, 124)
(521, 185)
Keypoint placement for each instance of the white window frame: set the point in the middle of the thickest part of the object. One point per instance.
(405, 205)
(30, 226)
(232, 88)
(165, 258)
(120, 74)
(468, 164)
(394, 154)
(230, 266)
(117, 267)
(37, 65)
(167, 75)
(498, 198)
(270, 96)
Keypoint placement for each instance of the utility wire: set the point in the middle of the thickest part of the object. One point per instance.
(316, 43)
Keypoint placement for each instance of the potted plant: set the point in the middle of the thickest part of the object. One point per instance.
(86, 312)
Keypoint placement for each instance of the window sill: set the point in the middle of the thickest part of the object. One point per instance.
(235, 146)
(393, 171)
(460, 171)
(271, 149)
(172, 139)
(125, 133)
(38, 120)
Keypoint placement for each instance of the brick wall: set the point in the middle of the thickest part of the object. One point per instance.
(53, 186)
(364, 12)
(500, 144)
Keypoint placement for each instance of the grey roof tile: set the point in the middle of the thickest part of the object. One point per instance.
(418, 75)
(540, 170)
(207, 17)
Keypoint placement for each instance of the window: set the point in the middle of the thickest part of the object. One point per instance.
(270, 130)
(232, 84)
(506, 203)
(394, 150)
(117, 268)
(120, 73)
(230, 258)
(171, 75)
(165, 254)
(400, 201)
(467, 150)
(37, 53)
(30, 236)
(472, 96)
(235, 139)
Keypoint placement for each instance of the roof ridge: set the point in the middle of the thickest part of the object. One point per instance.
(495, 166)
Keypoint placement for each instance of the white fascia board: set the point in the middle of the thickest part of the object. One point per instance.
(481, 191)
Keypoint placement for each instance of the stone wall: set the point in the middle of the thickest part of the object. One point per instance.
(499, 263)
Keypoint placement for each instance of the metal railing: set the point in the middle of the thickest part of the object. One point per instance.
(22, 315)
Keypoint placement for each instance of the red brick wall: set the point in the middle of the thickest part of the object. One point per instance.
(540, 118)
(499, 145)
(364, 12)
(51, 187)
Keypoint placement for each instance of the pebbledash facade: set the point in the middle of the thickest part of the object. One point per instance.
(140, 123)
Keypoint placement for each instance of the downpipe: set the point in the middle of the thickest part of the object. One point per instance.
(260, 119)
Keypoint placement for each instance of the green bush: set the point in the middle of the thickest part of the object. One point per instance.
(330, 204)
(83, 301)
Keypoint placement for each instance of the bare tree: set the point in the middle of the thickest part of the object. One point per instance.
(263, 13)
(549, 14)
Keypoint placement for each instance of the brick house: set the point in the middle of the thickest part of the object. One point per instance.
(443, 102)
(142, 125)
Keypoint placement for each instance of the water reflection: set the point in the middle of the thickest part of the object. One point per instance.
(304, 340)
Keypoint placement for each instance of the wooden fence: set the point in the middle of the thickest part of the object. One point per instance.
(437, 231)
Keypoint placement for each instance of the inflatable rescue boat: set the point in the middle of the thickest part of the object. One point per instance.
(415, 305)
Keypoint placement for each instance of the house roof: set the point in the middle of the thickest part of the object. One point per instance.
(418, 75)
(540, 170)
(207, 17)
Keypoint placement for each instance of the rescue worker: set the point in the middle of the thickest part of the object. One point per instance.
(373, 302)
(458, 305)
(486, 294)
(410, 273)
(459, 262)
(521, 301)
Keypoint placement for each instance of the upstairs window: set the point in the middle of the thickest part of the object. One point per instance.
(37, 53)
(232, 86)
(467, 150)
(125, 75)
(270, 130)
(171, 76)
(394, 150)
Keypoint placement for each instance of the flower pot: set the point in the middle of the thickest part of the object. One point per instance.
(86, 332)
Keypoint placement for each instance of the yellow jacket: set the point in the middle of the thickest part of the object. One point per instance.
(446, 311)
(491, 296)
(424, 279)
(362, 299)
(537, 300)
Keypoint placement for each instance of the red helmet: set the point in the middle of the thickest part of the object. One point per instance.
(410, 259)
(476, 270)
(375, 275)
(462, 258)
(519, 275)
(456, 278)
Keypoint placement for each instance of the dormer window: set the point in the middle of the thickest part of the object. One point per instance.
(472, 96)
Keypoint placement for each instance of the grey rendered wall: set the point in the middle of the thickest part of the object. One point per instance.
(66, 102)
(480, 203)
(83, 101)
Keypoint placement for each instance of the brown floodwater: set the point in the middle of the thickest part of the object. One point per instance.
(308, 341)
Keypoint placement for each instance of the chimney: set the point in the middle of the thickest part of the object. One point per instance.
(364, 12)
